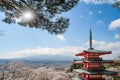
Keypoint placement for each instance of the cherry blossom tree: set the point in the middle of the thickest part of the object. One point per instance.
(19, 71)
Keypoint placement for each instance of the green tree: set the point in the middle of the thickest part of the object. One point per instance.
(43, 13)
(72, 67)
(117, 5)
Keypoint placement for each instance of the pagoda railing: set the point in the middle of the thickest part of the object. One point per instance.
(92, 58)
(94, 68)
(96, 79)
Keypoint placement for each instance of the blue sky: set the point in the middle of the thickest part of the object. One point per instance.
(18, 41)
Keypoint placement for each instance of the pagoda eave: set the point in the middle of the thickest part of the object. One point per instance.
(105, 72)
(100, 52)
(91, 61)
(99, 61)
(77, 62)
(79, 54)
(94, 52)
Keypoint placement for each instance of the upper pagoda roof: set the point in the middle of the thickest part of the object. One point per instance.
(96, 51)
(92, 51)
(105, 72)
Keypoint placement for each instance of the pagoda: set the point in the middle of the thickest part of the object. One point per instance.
(92, 64)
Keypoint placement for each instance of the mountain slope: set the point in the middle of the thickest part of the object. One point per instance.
(49, 58)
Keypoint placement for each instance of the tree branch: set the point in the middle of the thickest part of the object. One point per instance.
(9, 5)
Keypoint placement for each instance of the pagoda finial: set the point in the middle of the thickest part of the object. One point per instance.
(90, 44)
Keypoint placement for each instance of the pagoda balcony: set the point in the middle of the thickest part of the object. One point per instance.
(94, 68)
(92, 58)
(95, 79)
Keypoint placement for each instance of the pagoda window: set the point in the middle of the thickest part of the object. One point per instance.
(94, 65)
(87, 76)
(94, 76)
(93, 56)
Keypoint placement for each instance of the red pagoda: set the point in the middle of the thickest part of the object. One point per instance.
(92, 64)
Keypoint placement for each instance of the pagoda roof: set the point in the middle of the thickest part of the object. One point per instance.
(98, 61)
(100, 52)
(104, 72)
(102, 61)
(96, 51)
(77, 62)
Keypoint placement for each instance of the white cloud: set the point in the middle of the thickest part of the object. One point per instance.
(113, 46)
(99, 1)
(61, 37)
(114, 24)
(68, 51)
(117, 36)
(99, 11)
(110, 46)
(96, 43)
(90, 12)
(100, 22)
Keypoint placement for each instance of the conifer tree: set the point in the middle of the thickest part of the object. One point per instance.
(117, 5)
(38, 13)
